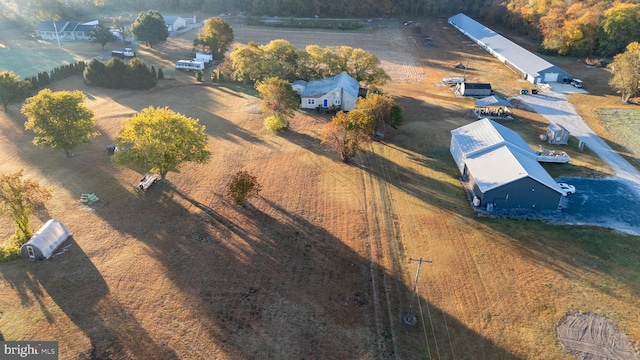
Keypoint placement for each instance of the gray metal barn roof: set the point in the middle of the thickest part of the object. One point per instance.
(486, 134)
(322, 86)
(497, 155)
(506, 164)
(50, 26)
(515, 54)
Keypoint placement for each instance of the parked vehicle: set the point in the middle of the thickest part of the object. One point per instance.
(125, 53)
(552, 156)
(567, 189)
(189, 65)
(577, 83)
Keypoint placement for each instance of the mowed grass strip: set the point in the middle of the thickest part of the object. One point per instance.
(624, 125)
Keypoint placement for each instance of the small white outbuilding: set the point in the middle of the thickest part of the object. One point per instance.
(45, 241)
(557, 134)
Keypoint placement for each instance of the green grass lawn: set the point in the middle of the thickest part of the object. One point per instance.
(27, 63)
(624, 126)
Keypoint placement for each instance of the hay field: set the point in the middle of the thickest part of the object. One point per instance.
(317, 267)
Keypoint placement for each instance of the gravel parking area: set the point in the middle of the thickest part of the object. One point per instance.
(601, 202)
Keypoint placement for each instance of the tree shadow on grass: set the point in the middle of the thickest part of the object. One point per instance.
(297, 291)
(79, 290)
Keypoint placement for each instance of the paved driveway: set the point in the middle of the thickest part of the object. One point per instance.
(612, 202)
(602, 202)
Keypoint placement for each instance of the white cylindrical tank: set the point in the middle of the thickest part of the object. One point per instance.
(476, 201)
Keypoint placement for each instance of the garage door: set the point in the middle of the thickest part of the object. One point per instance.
(550, 77)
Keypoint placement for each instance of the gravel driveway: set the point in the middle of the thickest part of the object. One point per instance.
(613, 202)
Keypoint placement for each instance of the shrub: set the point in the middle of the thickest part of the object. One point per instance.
(242, 186)
(9, 252)
(396, 116)
(199, 75)
(275, 123)
(160, 74)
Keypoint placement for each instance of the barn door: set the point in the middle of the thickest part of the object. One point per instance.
(32, 255)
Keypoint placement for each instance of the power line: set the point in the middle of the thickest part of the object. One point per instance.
(424, 331)
(410, 318)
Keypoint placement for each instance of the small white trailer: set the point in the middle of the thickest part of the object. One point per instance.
(203, 57)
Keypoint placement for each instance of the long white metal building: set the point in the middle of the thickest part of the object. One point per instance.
(527, 64)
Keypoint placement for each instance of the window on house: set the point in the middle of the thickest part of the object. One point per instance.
(336, 102)
(311, 101)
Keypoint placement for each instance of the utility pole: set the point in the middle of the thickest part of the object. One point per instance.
(55, 27)
(410, 318)
(465, 70)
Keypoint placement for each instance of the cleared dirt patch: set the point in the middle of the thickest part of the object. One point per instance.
(591, 336)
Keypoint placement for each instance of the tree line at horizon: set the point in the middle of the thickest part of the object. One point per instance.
(601, 28)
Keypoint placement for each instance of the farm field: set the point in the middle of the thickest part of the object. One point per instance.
(317, 267)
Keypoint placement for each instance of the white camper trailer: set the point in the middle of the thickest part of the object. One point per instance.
(189, 65)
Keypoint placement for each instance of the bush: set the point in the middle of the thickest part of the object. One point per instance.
(199, 75)
(275, 123)
(396, 117)
(242, 186)
(9, 252)
(215, 75)
(160, 74)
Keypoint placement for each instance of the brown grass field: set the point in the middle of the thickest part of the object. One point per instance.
(318, 266)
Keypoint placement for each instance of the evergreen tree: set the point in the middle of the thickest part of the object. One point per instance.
(12, 89)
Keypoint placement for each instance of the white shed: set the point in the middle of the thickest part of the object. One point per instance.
(45, 241)
(557, 134)
(174, 23)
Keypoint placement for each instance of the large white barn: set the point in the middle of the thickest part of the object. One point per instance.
(527, 64)
(501, 169)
